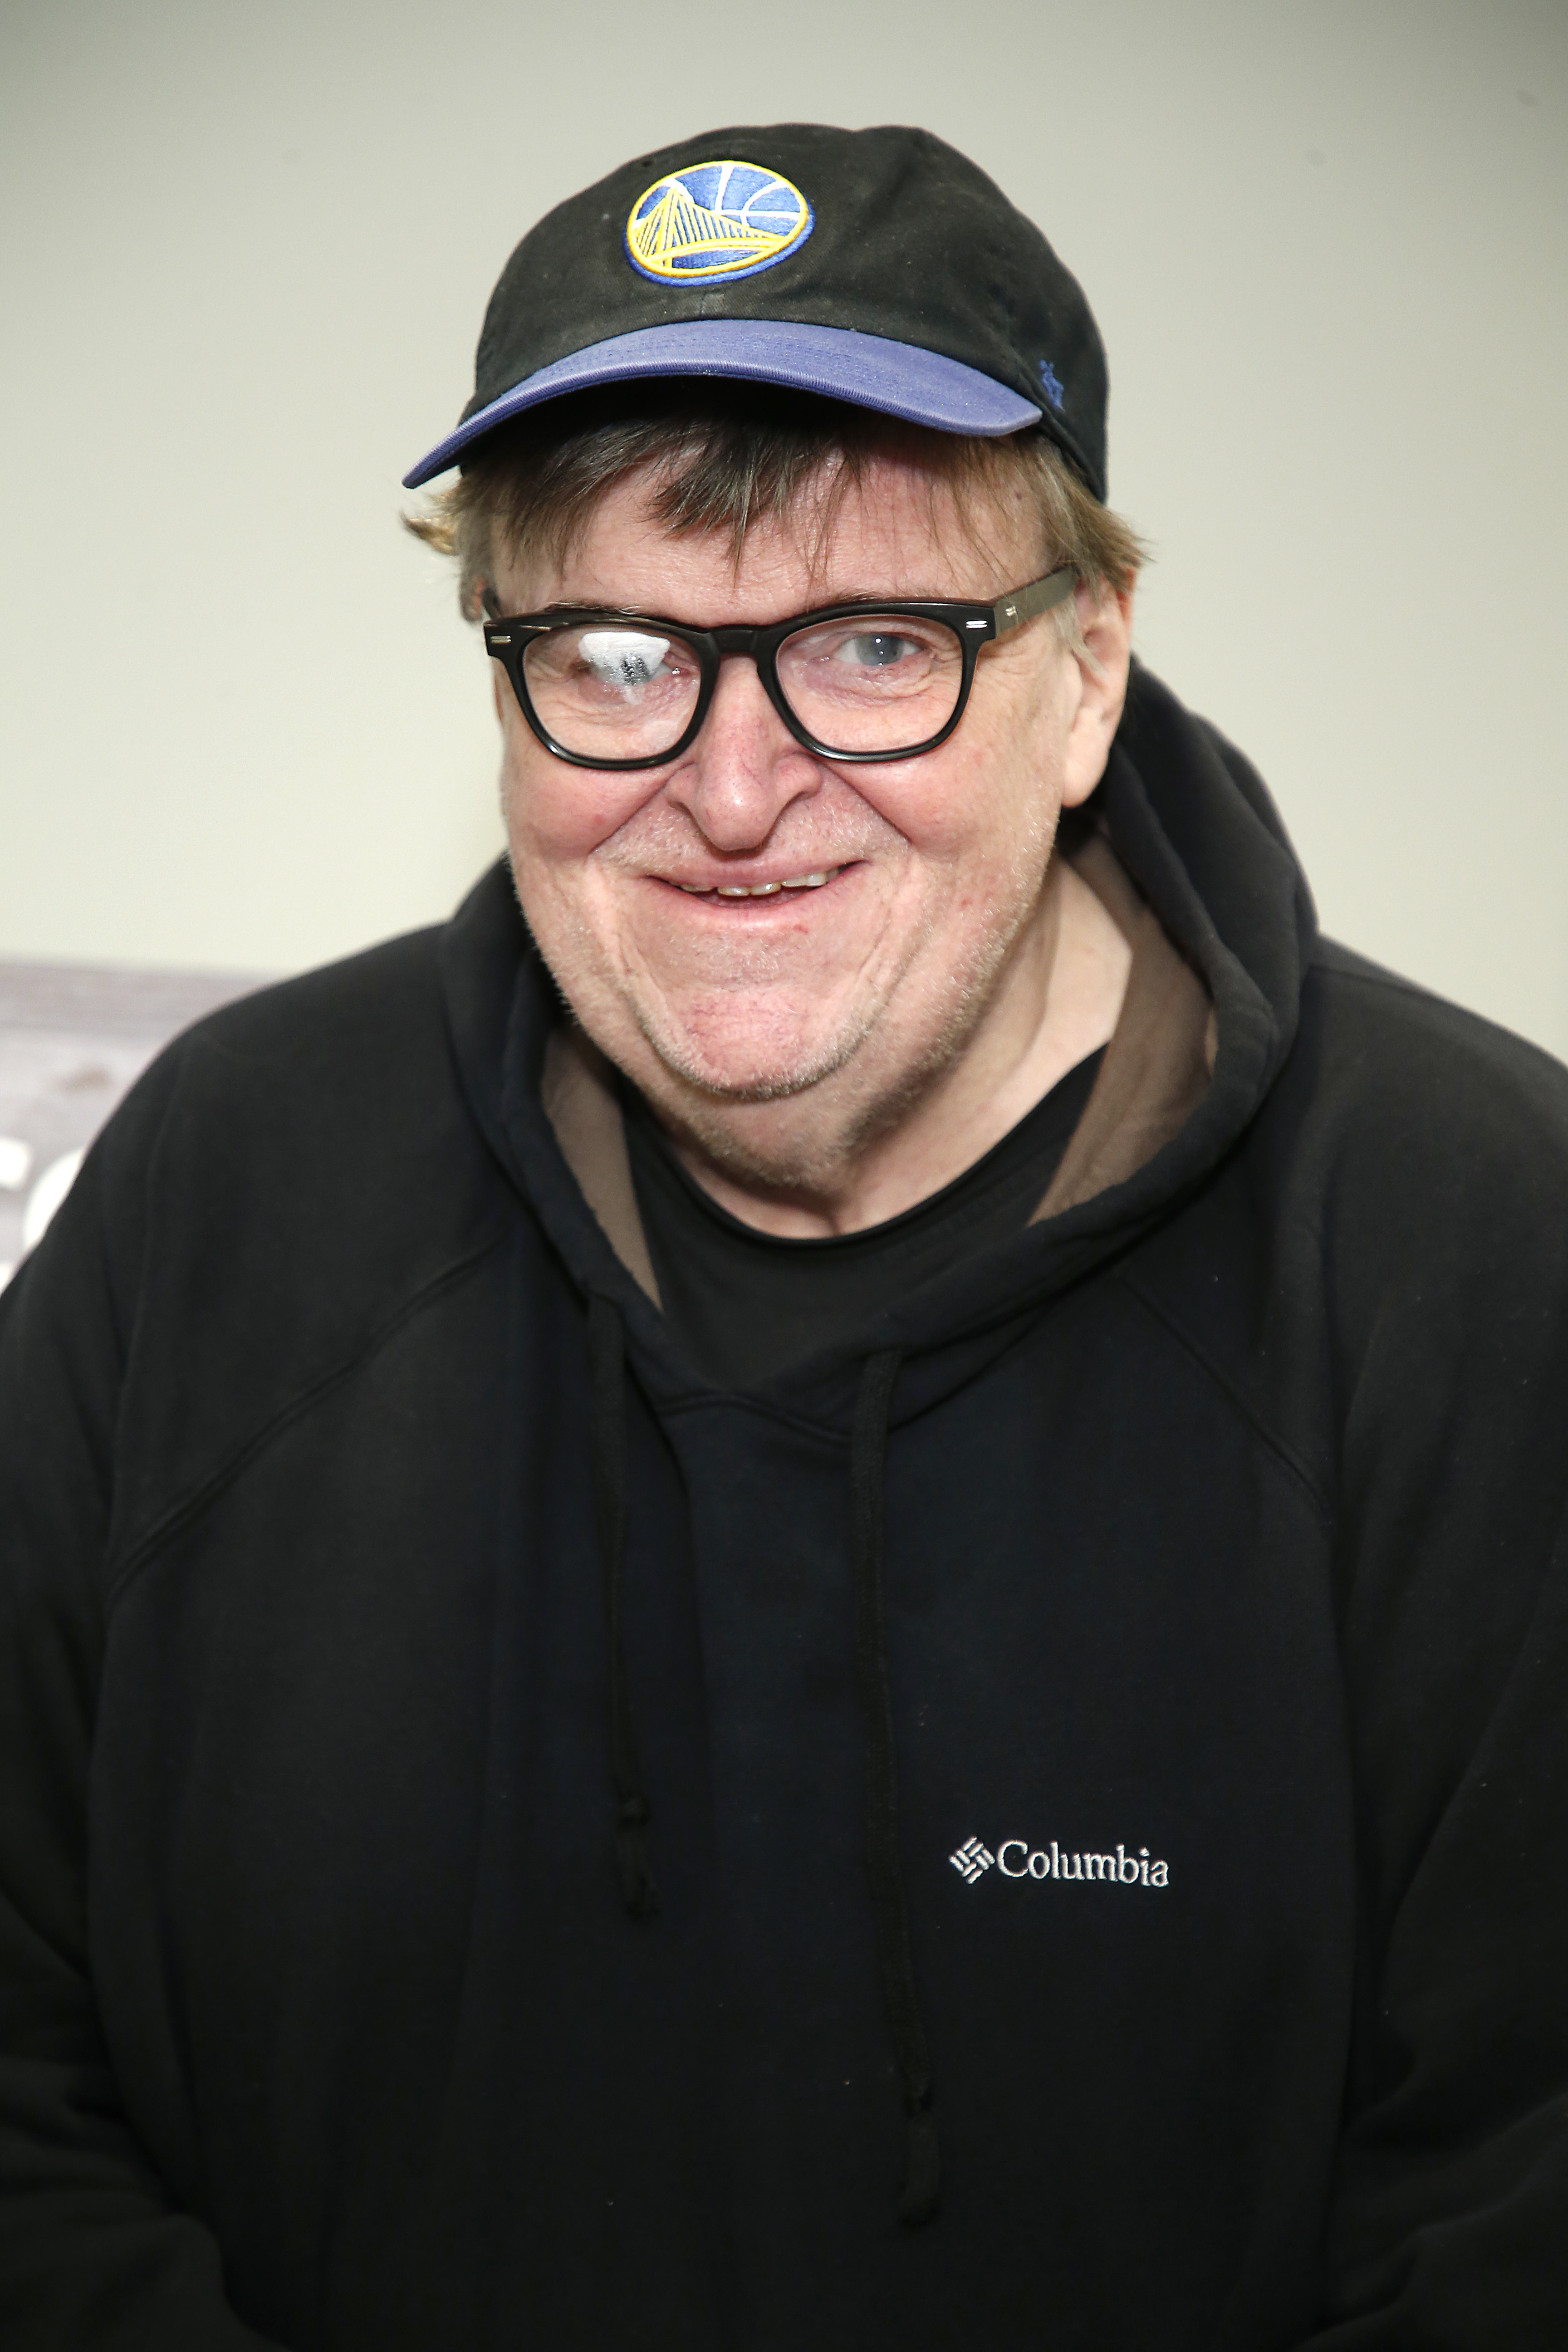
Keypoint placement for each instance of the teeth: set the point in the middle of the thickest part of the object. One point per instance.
(759, 889)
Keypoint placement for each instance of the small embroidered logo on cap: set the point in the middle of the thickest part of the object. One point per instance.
(1052, 383)
(716, 221)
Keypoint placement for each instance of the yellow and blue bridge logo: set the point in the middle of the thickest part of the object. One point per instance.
(714, 220)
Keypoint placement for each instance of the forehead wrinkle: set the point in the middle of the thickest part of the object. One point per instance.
(946, 509)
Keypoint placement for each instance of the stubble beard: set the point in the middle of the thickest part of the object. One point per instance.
(810, 1153)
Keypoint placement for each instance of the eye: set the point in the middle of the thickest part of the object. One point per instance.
(875, 649)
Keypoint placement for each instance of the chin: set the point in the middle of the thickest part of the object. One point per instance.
(749, 1067)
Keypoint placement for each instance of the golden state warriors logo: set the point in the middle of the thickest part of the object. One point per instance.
(714, 220)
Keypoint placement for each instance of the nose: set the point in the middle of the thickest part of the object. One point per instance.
(745, 767)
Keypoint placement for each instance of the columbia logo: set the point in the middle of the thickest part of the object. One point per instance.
(1016, 1858)
(971, 1859)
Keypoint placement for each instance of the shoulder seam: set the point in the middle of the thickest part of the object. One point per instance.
(187, 1507)
(1313, 1486)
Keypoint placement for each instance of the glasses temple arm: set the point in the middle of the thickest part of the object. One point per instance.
(1012, 611)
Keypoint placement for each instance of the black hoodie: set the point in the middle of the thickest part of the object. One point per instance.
(1130, 1684)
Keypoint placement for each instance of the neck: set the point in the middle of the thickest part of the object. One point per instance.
(1057, 1000)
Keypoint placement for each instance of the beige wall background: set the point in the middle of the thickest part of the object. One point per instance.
(245, 251)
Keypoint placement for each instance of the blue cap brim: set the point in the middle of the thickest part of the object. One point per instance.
(868, 371)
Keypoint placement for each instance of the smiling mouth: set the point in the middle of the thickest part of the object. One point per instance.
(814, 881)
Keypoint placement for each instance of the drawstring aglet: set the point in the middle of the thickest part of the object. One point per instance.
(637, 1891)
(922, 2168)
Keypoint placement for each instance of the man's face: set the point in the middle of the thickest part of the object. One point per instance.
(851, 991)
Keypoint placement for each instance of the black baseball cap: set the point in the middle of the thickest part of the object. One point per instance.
(877, 267)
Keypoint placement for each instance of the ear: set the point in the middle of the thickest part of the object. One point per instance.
(1106, 624)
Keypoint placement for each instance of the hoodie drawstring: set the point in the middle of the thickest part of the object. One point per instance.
(606, 1354)
(884, 1864)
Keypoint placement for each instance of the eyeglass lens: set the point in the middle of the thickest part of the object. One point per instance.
(880, 683)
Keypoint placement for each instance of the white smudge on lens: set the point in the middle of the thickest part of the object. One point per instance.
(623, 658)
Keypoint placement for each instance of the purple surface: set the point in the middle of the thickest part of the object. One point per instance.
(870, 371)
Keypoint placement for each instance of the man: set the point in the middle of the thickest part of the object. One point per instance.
(851, 1633)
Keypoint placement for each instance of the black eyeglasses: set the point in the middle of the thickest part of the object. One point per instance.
(859, 681)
